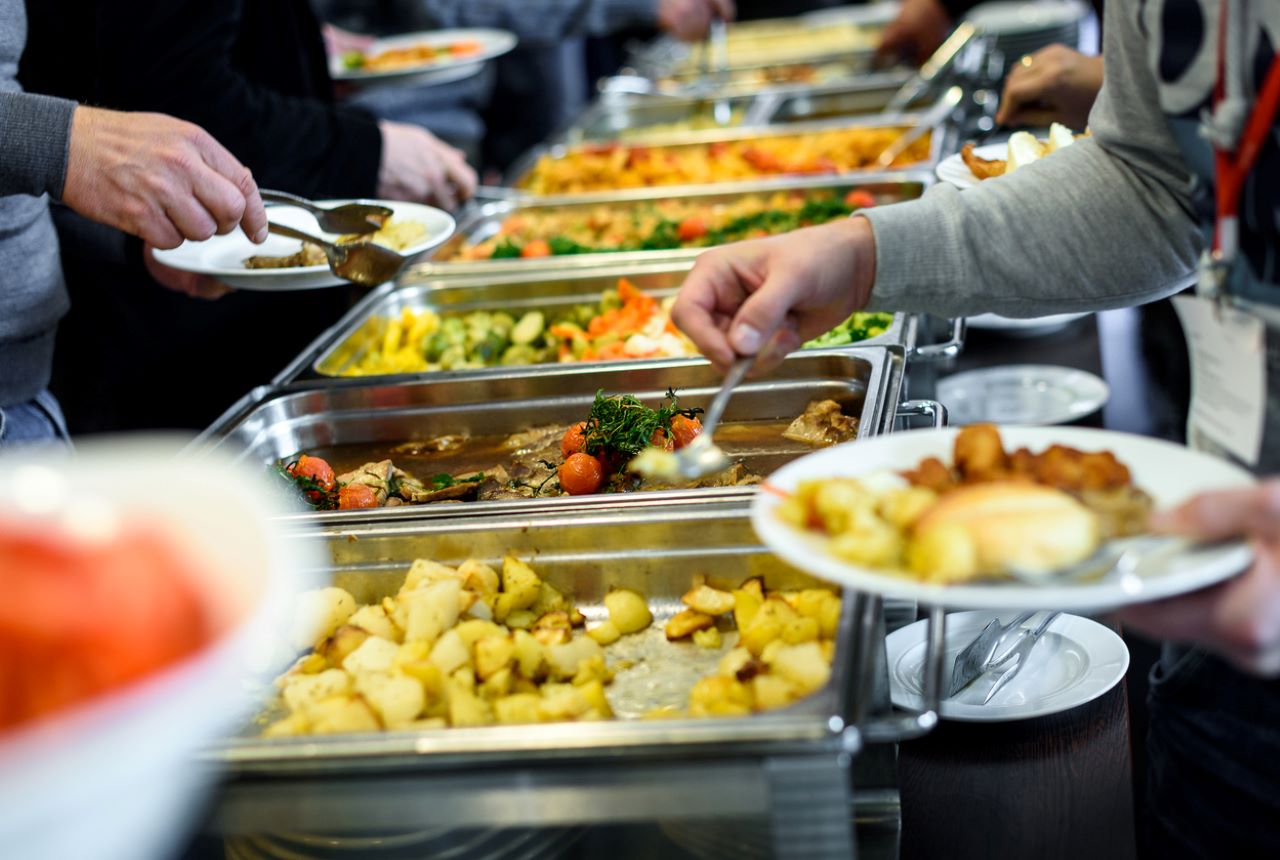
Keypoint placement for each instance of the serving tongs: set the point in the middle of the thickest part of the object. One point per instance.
(349, 218)
(714, 56)
(362, 263)
(928, 74)
(928, 120)
(988, 653)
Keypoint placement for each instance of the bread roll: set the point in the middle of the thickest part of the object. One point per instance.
(985, 529)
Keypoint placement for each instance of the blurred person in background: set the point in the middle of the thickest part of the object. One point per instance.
(148, 175)
(253, 73)
(1053, 84)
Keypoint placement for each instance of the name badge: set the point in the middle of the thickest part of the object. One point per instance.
(1228, 375)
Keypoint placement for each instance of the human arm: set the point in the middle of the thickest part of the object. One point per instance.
(1055, 84)
(1239, 619)
(1102, 224)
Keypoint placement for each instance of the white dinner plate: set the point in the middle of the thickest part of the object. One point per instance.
(222, 257)
(493, 44)
(1029, 327)
(953, 169)
(1017, 18)
(1075, 661)
(1169, 473)
(1037, 394)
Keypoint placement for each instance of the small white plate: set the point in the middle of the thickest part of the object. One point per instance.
(223, 257)
(1013, 17)
(1075, 661)
(1031, 327)
(1169, 473)
(953, 169)
(493, 44)
(1036, 394)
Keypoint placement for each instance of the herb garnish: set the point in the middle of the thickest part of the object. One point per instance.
(444, 481)
(311, 492)
(623, 425)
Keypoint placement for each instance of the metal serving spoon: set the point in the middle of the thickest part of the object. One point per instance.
(362, 263)
(928, 120)
(357, 218)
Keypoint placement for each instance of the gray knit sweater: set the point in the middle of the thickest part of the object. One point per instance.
(35, 132)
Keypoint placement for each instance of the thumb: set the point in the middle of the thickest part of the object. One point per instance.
(761, 315)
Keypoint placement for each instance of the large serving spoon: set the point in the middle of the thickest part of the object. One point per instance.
(362, 263)
(357, 218)
(703, 456)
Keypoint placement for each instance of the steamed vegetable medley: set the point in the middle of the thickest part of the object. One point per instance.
(626, 324)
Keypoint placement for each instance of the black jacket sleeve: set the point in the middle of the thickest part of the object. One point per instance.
(250, 72)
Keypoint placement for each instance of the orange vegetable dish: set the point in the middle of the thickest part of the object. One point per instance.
(80, 619)
(610, 166)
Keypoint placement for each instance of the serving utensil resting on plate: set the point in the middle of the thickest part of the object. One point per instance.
(358, 218)
(362, 263)
(1016, 658)
(976, 657)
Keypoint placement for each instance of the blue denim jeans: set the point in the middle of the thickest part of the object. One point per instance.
(38, 421)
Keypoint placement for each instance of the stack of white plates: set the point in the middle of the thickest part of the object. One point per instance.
(1024, 28)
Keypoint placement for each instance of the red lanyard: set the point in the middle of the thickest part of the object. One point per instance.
(1233, 168)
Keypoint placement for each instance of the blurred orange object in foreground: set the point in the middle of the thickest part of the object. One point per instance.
(80, 617)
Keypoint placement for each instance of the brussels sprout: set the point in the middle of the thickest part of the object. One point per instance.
(530, 326)
(610, 301)
(453, 357)
(503, 323)
(520, 354)
(435, 345)
(490, 348)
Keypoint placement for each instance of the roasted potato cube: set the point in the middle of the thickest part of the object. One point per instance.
(521, 619)
(800, 629)
(562, 702)
(342, 714)
(517, 708)
(552, 635)
(302, 692)
(606, 633)
(901, 508)
(823, 606)
(576, 618)
(719, 696)
(733, 661)
(875, 545)
(414, 660)
(430, 610)
(628, 611)
(549, 600)
(426, 724)
(473, 630)
(708, 600)
(497, 685)
(343, 641)
(450, 653)
(530, 655)
(288, 727)
(746, 603)
(319, 613)
(767, 625)
(478, 577)
(395, 698)
(709, 638)
(592, 669)
(424, 572)
(686, 623)
(375, 620)
(772, 691)
(563, 660)
(374, 655)
(492, 654)
(520, 585)
(593, 692)
(803, 666)
(754, 586)
(468, 709)
(944, 553)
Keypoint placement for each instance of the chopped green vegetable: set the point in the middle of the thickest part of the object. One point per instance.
(623, 425)
(858, 327)
(443, 481)
(353, 60)
(531, 325)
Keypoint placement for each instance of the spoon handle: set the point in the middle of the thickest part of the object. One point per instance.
(271, 196)
(281, 230)
(731, 380)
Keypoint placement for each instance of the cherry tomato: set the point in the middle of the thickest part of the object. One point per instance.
(860, 198)
(581, 475)
(316, 469)
(685, 430)
(574, 442)
(354, 496)
(691, 228)
(536, 248)
(660, 439)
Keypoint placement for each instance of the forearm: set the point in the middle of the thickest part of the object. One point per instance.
(1106, 223)
(35, 132)
(551, 22)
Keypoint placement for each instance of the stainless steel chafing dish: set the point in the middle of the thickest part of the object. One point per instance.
(513, 289)
(483, 220)
(789, 768)
(943, 140)
(286, 421)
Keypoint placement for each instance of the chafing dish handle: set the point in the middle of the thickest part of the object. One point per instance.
(930, 408)
(949, 348)
(904, 727)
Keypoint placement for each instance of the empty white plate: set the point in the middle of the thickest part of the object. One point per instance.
(1075, 661)
(1028, 394)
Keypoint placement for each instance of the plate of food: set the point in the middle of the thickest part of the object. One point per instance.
(974, 164)
(281, 264)
(432, 56)
(946, 516)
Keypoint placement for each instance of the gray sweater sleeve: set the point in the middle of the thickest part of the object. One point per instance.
(550, 22)
(36, 134)
(1105, 223)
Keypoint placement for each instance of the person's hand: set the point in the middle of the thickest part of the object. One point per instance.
(417, 165)
(689, 20)
(1239, 619)
(158, 178)
(1055, 84)
(920, 28)
(188, 283)
(338, 41)
(766, 297)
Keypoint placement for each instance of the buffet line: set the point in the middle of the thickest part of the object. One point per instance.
(700, 662)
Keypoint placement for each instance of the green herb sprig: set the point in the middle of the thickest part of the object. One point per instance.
(624, 426)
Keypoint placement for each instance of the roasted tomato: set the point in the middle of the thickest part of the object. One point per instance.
(581, 475)
(660, 439)
(574, 442)
(684, 430)
(354, 496)
(860, 198)
(536, 248)
(691, 229)
(316, 469)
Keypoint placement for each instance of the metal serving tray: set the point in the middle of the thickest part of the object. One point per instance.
(629, 116)
(370, 411)
(514, 291)
(789, 769)
(943, 141)
(482, 220)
